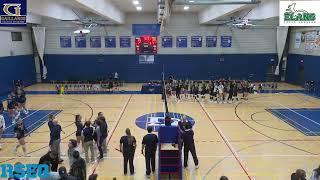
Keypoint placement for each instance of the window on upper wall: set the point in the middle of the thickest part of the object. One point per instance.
(16, 36)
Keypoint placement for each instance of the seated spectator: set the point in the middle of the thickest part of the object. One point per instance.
(78, 168)
(52, 158)
(64, 175)
(223, 178)
(93, 177)
(315, 174)
(299, 175)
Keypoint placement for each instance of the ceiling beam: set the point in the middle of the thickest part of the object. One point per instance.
(103, 8)
(211, 2)
(219, 11)
(267, 9)
(50, 9)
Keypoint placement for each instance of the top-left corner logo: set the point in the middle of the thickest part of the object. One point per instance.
(13, 13)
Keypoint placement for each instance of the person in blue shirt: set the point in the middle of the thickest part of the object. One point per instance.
(88, 133)
(55, 138)
(149, 148)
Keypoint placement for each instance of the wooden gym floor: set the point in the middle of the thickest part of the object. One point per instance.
(239, 140)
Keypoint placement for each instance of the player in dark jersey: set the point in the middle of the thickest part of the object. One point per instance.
(20, 132)
(21, 100)
(203, 90)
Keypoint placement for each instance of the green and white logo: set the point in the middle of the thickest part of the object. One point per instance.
(299, 13)
(292, 14)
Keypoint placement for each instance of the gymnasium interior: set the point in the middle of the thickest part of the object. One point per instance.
(243, 74)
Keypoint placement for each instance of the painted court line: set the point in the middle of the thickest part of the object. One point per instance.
(113, 130)
(234, 153)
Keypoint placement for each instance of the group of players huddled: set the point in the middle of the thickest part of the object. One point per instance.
(218, 91)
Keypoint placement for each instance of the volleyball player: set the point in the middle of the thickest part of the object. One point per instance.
(2, 123)
(178, 90)
(21, 100)
(235, 91)
(14, 114)
(231, 89)
(195, 90)
(20, 132)
(79, 127)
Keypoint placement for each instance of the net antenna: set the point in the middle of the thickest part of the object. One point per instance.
(164, 92)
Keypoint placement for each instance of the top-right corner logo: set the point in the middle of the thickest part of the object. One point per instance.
(299, 13)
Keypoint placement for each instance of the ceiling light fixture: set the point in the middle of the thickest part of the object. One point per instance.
(186, 7)
(135, 2)
(191, 1)
(139, 8)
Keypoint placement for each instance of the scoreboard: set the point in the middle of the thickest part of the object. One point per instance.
(146, 45)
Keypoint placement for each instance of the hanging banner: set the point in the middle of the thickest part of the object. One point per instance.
(65, 41)
(95, 41)
(125, 41)
(226, 41)
(110, 41)
(297, 40)
(211, 41)
(196, 41)
(182, 41)
(80, 41)
(166, 41)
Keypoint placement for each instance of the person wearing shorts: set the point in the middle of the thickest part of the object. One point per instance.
(20, 132)
(21, 100)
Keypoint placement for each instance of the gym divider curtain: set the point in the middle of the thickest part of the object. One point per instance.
(282, 33)
(40, 39)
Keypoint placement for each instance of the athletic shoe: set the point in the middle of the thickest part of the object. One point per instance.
(27, 155)
(25, 111)
(197, 166)
(148, 176)
(0, 146)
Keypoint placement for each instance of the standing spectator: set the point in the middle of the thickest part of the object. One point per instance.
(149, 146)
(99, 138)
(72, 146)
(87, 133)
(52, 158)
(2, 123)
(223, 178)
(78, 168)
(104, 131)
(55, 138)
(188, 143)
(128, 147)
(315, 174)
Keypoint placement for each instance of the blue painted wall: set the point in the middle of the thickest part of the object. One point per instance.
(311, 66)
(14, 68)
(200, 66)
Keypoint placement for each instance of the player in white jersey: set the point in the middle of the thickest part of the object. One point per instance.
(2, 123)
(220, 92)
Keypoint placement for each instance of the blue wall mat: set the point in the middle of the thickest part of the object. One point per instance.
(14, 68)
(200, 66)
(311, 66)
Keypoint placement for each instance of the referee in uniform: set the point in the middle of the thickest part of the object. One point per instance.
(149, 146)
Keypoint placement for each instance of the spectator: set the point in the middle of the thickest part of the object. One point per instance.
(79, 127)
(78, 168)
(299, 175)
(223, 178)
(88, 134)
(315, 174)
(64, 175)
(72, 147)
(93, 177)
(52, 158)
(55, 138)
(128, 146)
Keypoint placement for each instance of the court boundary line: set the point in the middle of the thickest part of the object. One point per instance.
(234, 153)
(113, 130)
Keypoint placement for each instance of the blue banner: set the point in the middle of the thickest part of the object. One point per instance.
(80, 41)
(95, 41)
(145, 29)
(65, 41)
(125, 41)
(182, 41)
(226, 41)
(13, 12)
(166, 41)
(196, 41)
(211, 41)
(110, 41)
